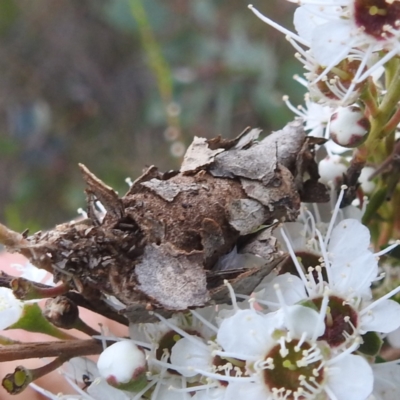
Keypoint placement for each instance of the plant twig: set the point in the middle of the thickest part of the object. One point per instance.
(72, 348)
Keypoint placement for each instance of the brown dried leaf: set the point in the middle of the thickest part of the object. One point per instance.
(258, 162)
(249, 163)
(176, 280)
(104, 193)
(169, 190)
(149, 173)
(246, 215)
(262, 244)
(212, 238)
(198, 155)
(244, 139)
(287, 142)
(281, 198)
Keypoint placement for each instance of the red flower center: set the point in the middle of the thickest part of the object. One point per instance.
(377, 16)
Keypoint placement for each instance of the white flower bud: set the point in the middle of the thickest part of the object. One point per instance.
(331, 169)
(123, 365)
(348, 126)
(366, 185)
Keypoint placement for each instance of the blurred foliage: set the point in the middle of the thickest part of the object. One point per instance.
(121, 84)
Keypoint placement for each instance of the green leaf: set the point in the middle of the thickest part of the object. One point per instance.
(372, 344)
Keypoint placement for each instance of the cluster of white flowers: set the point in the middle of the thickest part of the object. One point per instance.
(314, 329)
(311, 332)
(342, 44)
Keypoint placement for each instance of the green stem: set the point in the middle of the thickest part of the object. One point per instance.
(32, 320)
(386, 108)
(392, 123)
(368, 97)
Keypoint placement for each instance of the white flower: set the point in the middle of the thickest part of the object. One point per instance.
(283, 344)
(346, 41)
(333, 31)
(82, 374)
(10, 308)
(342, 267)
(160, 338)
(347, 378)
(316, 118)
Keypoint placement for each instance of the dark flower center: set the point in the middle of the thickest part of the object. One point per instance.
(230, 367)
(306, 259)
(374, 16)
(167, 342)
(290, 374)
(341, 75)
(340, 320)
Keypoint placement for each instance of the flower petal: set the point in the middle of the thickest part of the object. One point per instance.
(101, 390)
(291, 286)
(351, 378)
(186, 353)
(306, 21)
(354, 276)
(300, 319)
(167, 392)
(10, 308)
(387, 380)
(384, 318)
(214, 394)
(248, 391)
(246, 332)
(349, 239)
(329, 40)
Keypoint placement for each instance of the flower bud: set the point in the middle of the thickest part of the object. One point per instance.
(123, 365)
(366, 185)
(17, 381)
(348, 126)
(331, 169)
(61, 312)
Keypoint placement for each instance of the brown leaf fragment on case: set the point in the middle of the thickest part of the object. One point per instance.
(247, 137)
(168, 190)
(174, 279)
(104, 193)
(258, 162)
(197, 156)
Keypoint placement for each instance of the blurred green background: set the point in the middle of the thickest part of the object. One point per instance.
(121, 84)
